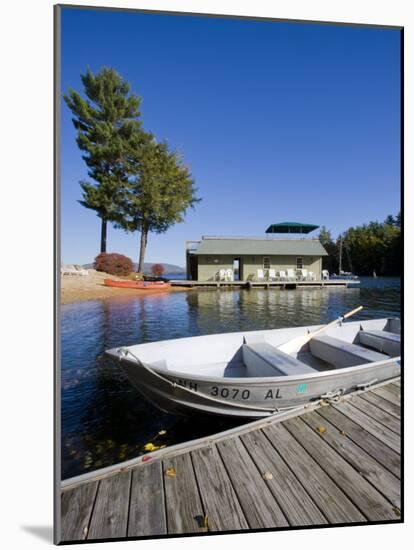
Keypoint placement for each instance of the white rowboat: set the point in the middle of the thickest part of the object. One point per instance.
(244, 374)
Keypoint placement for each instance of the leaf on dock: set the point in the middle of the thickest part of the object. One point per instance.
(321, 429)
(171, 472)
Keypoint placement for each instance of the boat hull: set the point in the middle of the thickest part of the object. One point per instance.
(251, 398)
(139, 285)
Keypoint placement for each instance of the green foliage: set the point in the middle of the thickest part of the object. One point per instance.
(140, 185)
(373, 246)
(108, 126)
(160, 189)
(329, 262)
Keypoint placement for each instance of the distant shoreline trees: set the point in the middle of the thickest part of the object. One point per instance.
(139, 184)
(375, 246)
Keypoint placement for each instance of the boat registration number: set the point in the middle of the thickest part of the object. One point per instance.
(235, 393)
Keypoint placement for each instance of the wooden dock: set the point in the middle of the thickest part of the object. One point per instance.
(264, 284)
(336, 463)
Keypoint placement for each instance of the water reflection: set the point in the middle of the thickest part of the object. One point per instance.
(104, 420)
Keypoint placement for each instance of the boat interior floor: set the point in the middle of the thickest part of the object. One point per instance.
(258, 358)
(324, 352)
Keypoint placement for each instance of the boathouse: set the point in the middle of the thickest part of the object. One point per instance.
(254, 258)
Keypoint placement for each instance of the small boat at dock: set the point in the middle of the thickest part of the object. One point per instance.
(140, 285)
(254, 374)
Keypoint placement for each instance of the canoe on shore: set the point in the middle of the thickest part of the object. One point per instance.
(140, 285)
(246, 374)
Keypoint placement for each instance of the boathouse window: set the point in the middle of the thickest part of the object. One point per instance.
(299, 263)
(266, 262)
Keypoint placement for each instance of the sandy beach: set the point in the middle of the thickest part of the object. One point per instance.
(75, 288)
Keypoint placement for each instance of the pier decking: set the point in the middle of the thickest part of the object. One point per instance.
(334, 463)
(265, 284)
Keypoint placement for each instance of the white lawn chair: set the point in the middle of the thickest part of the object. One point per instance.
(222, 275)
(325, 274)
(304, 274)
(260, 275)
(290, 274)
(282, 275)
(311, 276)
(272, 275)
(229, 275)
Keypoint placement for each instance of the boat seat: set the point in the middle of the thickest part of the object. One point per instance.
(263, 359)
(385, 342)
(340, 353)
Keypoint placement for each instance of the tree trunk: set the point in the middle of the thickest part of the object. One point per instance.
(103, 236)
(143, 246)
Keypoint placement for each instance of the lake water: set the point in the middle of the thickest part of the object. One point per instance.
(105, 420)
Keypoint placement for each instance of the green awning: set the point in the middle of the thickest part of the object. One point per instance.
(291, 227)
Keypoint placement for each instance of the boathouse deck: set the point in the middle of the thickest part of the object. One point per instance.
(336, 463)
(265, 284)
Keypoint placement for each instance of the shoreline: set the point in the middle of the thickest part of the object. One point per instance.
(75, 288)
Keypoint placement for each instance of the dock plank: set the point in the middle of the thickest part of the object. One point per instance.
(295, 502)
(259, 505)
(391, 408)
(385, 393)
(110, 514)
(372, 504)
(373, 446)
(147, 509)
(217, 494)
(381, 416)
(76, 511)
(185, 513)
(329, 498)
(370, 425)
(385, 482)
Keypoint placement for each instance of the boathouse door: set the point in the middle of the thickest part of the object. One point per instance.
(237, 269)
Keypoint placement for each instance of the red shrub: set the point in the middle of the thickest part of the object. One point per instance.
(157, 270)
(114, 264)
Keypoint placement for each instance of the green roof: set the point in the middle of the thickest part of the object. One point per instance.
(291, 227)
(258, 247)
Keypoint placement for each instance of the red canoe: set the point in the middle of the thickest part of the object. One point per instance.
(141, 285)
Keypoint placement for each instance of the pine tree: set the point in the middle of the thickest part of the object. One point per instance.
(159, 191)
(108, 126)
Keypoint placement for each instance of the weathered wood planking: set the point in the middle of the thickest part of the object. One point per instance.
(391, 408)
(370, 425)
(385, 393)
(220, 501)
(373, 446)
(185, 513)
(260, 508)
(76, 511)
(147, 506)
(381, 416)
(371, 503)
(333, 503)
(289, 472)
(110, 513)
(385, 482)
(293, 499)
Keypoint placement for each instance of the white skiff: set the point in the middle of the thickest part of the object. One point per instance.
(247, 374)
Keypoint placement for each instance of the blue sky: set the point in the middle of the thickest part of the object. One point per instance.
(277, 121)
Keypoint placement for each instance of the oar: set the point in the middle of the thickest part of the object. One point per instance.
(297, 343)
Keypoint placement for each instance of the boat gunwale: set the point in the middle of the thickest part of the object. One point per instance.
(259, 380)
